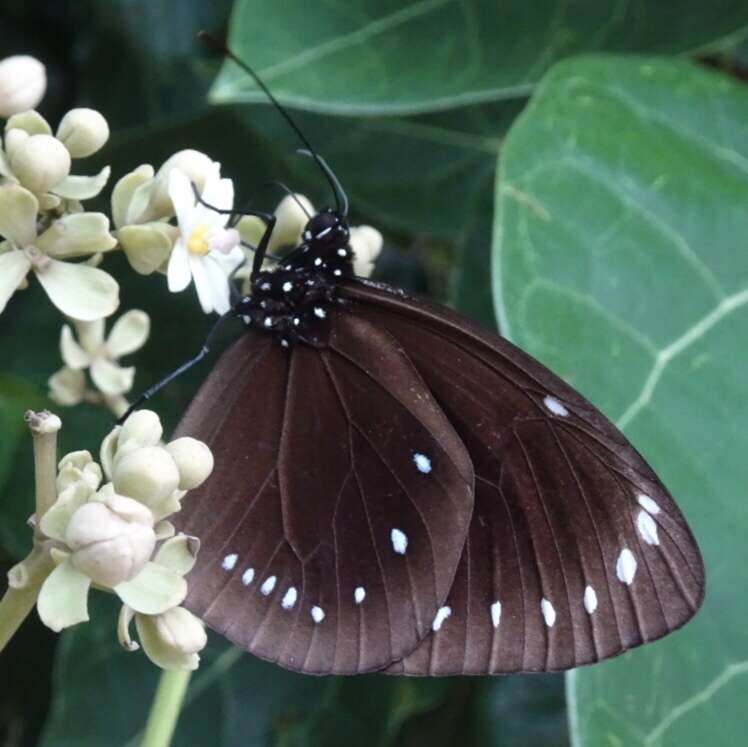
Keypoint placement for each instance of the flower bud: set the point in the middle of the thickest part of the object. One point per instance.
(197, 166)
(366, 243)
(23, 80)
(291, 220)
(78, 466)
(83, 132)
(111, 540)
(142, 426)
(180, 629)
(194, 461)
(148, 474)
(40, 162)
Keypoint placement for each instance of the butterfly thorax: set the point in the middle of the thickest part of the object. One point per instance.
(292, 301)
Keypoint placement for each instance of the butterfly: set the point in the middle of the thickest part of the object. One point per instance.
(398, 490)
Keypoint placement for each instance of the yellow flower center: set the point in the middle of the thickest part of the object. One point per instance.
(198, 243)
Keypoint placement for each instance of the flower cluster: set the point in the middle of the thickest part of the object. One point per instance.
(42, 220)
(100, 356)
(117, 537)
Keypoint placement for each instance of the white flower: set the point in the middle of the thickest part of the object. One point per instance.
(23, 80)
(366, 243)
(78, 290)
(83, 132)
(206, 250)
(100, 355)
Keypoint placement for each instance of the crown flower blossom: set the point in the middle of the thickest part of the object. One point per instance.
(206, 250)
(77, 289)
(23, 81)
(100, 356)
(116, 537)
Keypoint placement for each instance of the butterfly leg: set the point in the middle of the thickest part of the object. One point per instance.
(204, 350)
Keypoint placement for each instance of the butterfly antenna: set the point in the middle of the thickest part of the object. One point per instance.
(341, 200)
(293, 196)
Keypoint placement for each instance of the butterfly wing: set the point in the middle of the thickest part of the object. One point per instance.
(325, 546)
(576, 551)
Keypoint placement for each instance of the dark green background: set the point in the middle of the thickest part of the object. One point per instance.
(616, 223)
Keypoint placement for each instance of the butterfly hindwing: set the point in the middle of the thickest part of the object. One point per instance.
(341, 497)
(576, 551)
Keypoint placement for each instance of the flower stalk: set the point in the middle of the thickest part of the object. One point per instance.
(165, 709)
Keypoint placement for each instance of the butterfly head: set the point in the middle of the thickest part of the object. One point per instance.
(326, 228)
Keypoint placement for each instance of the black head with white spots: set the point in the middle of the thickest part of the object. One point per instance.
(293, 302)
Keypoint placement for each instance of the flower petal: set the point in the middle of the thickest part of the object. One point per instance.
(159, 651)
(183, 198)
(18, 209)
(123, 629)
(129, 333)
(211, 283)
(90, 335)
(111, 378)
(128, 199)
(81, 292)
(219, 194)
(77, 235)
(30, 122)
(73, 354)
(178, 553)
(154, 590)
(67, 387)
(55, 520)
(147, 247)
(82, 187)
(63, 599)
(14, 266)
(179, 272)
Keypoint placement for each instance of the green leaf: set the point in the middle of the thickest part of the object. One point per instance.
(620, 250)
(394, 57)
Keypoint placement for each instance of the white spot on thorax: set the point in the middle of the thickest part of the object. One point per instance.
(399, 541)
(318, 614)
(648, 504)
(549, 614)
(268, 585)
(318, 261)
(626, 566)
(590, 599)
(324, 232)
(265, 286)
(307, 235)
(296, 321)
(647, 528)
(496, 614)
(289, 598)
(248, 576)
(319, 312)
(423, 463)
(284, 343)
(337, 273)
(555, 406)
(287, 286)
(441, 615)
(268, 321)
(359, 594)
(342, 252)
(229, 561)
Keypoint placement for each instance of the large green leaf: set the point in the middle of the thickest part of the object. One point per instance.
(621, 260)
(389, 56)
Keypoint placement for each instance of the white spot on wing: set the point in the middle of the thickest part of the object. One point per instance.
(318, 614)
(590, 599)
(555, 406)
(268, 321)
(399, 541)
(289, 598)
(337, 273)
(423, 463)
(441, 615)
(248, 576)
(496, 614)
(549, 614)
(268, 585)
(359, 594)
(647, 528)
(229, 562)
(626, 566)
(648, 504)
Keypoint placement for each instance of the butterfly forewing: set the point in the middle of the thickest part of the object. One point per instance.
(576, 551)
(341, 498)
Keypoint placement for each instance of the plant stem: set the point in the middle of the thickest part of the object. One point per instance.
(165, 709)
(25, 580)
(44, 426)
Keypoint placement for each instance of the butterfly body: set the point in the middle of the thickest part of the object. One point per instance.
(292, 302)
(398, 490)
